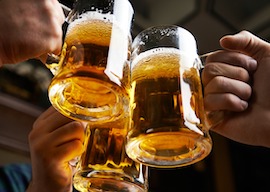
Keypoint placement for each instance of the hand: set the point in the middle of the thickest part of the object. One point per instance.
(54, 141)
(29, 29)
(226, 78)
(249, 124)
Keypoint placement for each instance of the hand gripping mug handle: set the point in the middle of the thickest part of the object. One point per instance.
(214, 118)
(53, 59)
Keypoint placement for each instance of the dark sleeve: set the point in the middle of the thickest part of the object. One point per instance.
(15, 177)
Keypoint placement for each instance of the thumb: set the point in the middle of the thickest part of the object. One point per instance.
(246, 43)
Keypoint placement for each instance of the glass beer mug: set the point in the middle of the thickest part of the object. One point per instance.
(91, 77)
(104, 165)
(168, 127)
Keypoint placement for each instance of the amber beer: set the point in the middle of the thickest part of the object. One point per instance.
(104, 166)
(91, 80)
(167, 127)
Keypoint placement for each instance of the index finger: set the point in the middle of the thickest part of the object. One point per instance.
(50, 120)
(232, 58)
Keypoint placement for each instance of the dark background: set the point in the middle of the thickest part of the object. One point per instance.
(231, 166)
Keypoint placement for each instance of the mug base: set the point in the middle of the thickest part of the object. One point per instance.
(108, 181)
(169, 149)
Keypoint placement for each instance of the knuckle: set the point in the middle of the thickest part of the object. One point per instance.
(211, 69)
(245, 32)
(76, 126)
(242, 74)
(220, 82)
(35, 125)
(31, 136)
(77, 145)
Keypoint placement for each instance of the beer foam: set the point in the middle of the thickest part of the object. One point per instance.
(159, 62)
(93, 27)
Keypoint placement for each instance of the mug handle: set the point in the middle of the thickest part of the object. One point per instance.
(214, 118)
(52, 59)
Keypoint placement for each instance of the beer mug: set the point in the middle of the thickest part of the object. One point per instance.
(104, 165)
(91, 76)
(168, 123)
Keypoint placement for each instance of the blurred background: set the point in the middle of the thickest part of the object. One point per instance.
(231, 167)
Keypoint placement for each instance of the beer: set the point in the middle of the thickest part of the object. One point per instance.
(167, 127)
(93, 82)
(104, 165)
